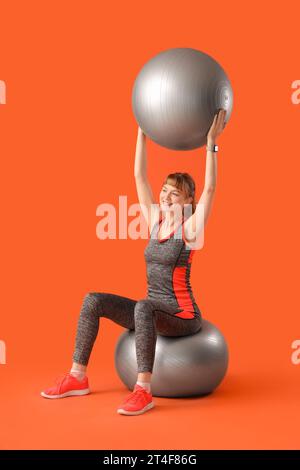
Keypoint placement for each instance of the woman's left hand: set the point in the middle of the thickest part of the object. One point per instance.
(217, 126)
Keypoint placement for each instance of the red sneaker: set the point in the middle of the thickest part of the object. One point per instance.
(137, 402)
(67, 386)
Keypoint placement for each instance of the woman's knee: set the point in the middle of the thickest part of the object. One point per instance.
(143, 308)
(92, 302)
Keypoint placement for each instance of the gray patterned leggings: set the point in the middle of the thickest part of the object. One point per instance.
(147, 317)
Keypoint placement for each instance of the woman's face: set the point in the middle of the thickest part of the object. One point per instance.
(170, 196)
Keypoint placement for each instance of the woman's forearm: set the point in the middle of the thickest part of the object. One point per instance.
(215, 130)
(140, 163)
(210, 168)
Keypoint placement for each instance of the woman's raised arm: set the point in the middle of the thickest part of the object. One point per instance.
(196, 222)
(149, 209)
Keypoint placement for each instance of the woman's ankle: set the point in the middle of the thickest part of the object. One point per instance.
(78, 371)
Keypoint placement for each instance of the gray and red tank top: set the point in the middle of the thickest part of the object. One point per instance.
(168, 264)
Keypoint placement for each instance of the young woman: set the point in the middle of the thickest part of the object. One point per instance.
(169, 308)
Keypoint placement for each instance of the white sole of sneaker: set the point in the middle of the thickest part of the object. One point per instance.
(72, 393)
(134, 413)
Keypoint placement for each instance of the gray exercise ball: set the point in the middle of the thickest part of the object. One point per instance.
(184, 366)
(176, 95)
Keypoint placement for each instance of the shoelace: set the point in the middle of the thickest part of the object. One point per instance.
(134, 395)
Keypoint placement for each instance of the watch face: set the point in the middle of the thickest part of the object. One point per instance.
(216, 148)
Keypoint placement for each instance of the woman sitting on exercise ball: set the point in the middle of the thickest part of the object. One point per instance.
(169, 308)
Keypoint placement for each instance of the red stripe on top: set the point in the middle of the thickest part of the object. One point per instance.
(184, 315)
(180, 286)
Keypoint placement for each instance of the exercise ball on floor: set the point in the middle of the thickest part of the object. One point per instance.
(184, 366)
(176, 95)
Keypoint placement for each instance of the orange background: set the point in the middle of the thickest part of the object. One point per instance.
(68, 139)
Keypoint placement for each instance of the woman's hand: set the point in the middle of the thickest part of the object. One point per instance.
(216, 127)
(141, 132)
